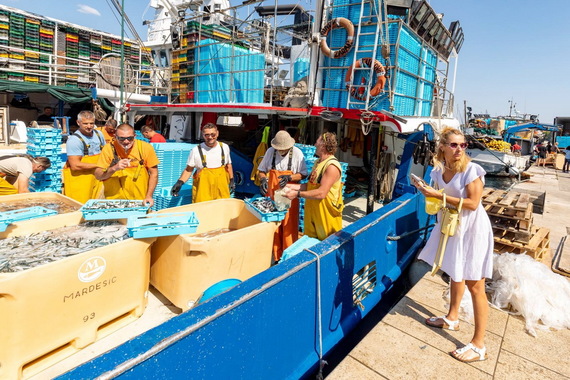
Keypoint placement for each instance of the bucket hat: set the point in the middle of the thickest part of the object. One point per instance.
(282, 141)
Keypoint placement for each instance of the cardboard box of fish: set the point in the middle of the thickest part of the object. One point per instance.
(64, 285)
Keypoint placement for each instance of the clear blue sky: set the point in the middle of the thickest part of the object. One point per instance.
(515, 50)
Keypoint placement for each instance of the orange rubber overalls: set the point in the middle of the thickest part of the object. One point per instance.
(288, 232)
(82, 185)
(209, 184)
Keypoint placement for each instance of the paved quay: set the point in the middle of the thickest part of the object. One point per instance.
(401, 346)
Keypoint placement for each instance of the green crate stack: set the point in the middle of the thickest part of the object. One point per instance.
(47, 32)
(116, 46)
(106, 45)
(95, 41)
(32, 28)
(16, 32)
(4, 28)
(71, 51)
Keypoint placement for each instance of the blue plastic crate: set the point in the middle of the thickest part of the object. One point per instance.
(168, 224)
(9, 217)
(275, 216)
(90, 212)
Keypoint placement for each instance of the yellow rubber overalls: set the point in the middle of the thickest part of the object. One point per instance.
(129, 183)
(6, 188)
(323, 217)
(82, 185)
(288, 232)
(210, 184)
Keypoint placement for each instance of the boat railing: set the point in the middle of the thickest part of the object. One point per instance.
(24, 65)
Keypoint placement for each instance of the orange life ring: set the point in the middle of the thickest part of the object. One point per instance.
(481, 124)
(380, 78)
(339, 22)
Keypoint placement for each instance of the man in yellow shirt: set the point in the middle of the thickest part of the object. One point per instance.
(128, 167)
(108, 130)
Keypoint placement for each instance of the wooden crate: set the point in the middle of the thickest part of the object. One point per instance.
(537, 246)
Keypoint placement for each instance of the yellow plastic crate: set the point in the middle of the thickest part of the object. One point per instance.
(183, 266)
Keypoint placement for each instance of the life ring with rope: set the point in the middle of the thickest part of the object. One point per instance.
(481, 124)
(335, 23)
(378, 87)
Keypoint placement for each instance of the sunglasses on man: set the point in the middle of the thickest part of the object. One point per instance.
(129, 138)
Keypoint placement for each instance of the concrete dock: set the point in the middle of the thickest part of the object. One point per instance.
(401, 346)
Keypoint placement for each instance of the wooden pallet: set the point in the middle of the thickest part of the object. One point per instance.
(508, 209)
(513, 234)
(536, 247)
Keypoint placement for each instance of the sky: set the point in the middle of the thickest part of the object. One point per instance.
(515, 51)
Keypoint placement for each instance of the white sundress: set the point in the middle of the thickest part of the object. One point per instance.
(469, 253)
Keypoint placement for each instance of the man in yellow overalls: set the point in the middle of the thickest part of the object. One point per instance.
(282, 164)
(16, 170)
(83, 149)
(128, 167)
(323, 191)
(214, 177)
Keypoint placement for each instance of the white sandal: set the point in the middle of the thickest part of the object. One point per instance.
(482, 352)
(447, 324)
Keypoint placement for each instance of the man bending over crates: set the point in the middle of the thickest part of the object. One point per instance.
(16, 170)
(128, 167)
(283, 163)
(83, 150)
(214, 177)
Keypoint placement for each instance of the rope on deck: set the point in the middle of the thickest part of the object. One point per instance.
(398, 237)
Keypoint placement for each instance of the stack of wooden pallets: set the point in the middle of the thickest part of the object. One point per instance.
(511, 217)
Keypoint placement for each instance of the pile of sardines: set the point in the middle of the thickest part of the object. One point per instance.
(113, 204)
(264, 205)
(24, 252)
(59, 206)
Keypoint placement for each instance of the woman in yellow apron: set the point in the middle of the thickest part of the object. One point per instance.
(323, 192)
(273, 175)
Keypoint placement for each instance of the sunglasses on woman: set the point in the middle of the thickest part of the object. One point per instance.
(455, 145)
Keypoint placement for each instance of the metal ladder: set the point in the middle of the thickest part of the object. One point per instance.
(365, 20)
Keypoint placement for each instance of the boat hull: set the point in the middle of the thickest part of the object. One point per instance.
(499, 163)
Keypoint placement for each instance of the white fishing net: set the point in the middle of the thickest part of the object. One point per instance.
(541, 296)
(525, 287)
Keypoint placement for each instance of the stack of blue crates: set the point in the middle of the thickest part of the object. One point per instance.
(415, 65)
(173, 158)
(228, 73)
(46, 142)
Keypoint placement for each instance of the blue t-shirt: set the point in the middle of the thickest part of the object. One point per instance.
(75, 146)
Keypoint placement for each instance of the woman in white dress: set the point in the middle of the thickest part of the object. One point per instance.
(468, 258)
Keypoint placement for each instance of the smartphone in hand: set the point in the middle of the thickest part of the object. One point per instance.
(417, 179)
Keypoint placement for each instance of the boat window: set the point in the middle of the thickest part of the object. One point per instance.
(419, 15)
(425, 25)
(163, 61)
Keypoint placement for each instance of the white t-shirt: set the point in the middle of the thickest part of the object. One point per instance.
(14, 166)
(298, 164)
(213, 156)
